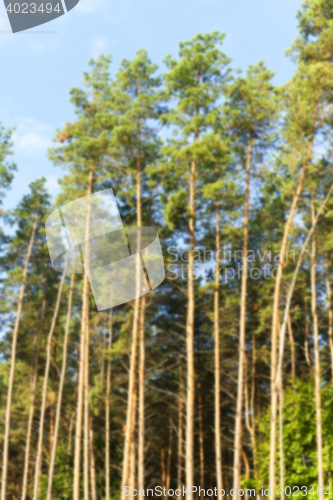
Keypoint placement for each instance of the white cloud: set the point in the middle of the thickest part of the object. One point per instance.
(32, 138)
(87, 6)
(99, 45)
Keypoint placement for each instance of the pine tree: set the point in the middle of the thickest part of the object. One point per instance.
(195, 81)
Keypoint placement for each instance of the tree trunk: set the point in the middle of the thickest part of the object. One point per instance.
(82, 363)
(133, 458)
(141, 443)
(13, 360)
(133, 361)
(168, 472)
(163, 478)
(60, 393)
(306, 335)
(86, 449)
(107, 414)
(45, 385)
(180, 425)
(330, 314)
(32, 401)
(53, 378)
(92, 459)
(292, 348)
(316, 350)
(201, 439)
(190, 337)
(218, 451)
(281, 438)
(242, 331)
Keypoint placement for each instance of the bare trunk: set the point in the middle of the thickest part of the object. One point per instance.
(53, 378)
(141, 439)
(168, 472)
(163, 478)
(218, 451)
(316, 350)
(133, 360)
(13, 361)
(32, 403)
(180, 425)
(190, 338)
(92, 460)
(38, 464)
(86, 439)
(306, 334)
(133, 457)
(201, 439)
(107, 415)
(281, 438)
(82, 385)
(242, 330)
(60, 393)
(330, 314)
(292, 348)
(249, 425)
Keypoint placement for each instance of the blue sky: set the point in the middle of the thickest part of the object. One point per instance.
(38, 69)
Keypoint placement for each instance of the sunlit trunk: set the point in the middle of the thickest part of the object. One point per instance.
(242, 329)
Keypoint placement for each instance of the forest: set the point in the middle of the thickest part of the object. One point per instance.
(222, 377)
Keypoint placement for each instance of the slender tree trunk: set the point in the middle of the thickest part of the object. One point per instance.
(168, 472)
(92, 459)
(136, 320)
(82, 363)
(107, 414)
(281, 438)
(87, 451)
(13, 360)
(163, 478)
(242, 331)
(217, 392)
(316, 350)
(292, 348)
(133, 457)
(53, 378)
(330, 314)
(249, 425)
(275, 315)
(190, 338)
(253, 412)
(71, 425)
(246, 463)
(32, 401)
(180, 425)
(201, 439)
(141, 444)
(60, 393)
(306, 334)
(45, 385)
